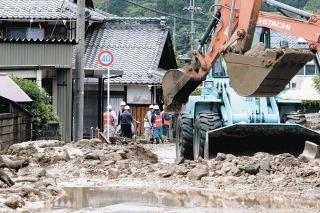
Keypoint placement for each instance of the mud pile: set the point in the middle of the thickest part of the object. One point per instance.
(261, 172)
(112, 161)
(40, 169)
(24, 181)
(36, 168)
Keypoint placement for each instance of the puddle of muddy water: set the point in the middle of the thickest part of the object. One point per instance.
(92, 198)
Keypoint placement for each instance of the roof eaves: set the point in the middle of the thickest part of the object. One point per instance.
(66, 11)
(160, 49)
(134, 18)
(38, 41)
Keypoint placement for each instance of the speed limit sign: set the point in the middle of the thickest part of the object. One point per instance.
(105, 58)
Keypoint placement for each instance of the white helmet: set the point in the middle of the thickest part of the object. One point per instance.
(123, 103)
(151, 106)
(156, 107)
(109, 107)
(127, 107)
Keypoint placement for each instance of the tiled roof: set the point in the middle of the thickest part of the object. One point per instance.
(137, 45)
(44, 10)
(276, 37)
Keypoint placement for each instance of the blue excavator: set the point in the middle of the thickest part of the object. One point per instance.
(237, 111)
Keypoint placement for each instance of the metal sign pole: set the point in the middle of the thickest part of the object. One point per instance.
(108, 102)
(105, 59)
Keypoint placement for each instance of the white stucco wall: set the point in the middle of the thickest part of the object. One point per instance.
(304, 90)
(138, 95)
(92, 84)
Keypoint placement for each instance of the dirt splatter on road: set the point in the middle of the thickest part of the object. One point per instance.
(259, 182)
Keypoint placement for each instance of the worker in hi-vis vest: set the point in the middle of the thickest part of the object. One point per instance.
(109, 118)
(157, 123)
(166, 124)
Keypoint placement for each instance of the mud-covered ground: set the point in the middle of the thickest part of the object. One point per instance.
(258, 182)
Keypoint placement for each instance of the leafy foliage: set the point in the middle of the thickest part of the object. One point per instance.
(196, 92)
(294, 3)
(310, 106)
(316, 83)
(40, 106)
(313, 6)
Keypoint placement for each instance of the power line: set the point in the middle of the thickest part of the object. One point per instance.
(164, 13)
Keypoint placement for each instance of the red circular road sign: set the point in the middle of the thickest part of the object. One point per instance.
(105, 58)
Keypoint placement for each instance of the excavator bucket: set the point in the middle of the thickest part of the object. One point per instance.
(176, 87)
(264, 73)
(247, 139)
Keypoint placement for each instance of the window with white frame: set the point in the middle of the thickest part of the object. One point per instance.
(308, 69)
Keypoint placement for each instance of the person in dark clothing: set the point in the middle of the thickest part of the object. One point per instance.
(126, 122)
(121, 110)
(122, 106)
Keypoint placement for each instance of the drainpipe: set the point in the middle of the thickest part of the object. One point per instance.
(39, 78)
(155, 95)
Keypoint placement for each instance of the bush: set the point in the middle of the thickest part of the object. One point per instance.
(40, 106)
(316, 83)
(196, 92)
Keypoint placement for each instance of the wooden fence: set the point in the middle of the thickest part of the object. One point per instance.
(14, 128)
(138, 113)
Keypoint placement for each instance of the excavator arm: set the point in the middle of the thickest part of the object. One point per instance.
(177, 85)
(252, 73)
(306, 29)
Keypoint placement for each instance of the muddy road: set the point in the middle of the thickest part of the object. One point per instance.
(89, 176)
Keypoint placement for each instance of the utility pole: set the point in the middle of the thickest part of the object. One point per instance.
(79, 72)
(174, 33)
(192, 9)
(192, 32)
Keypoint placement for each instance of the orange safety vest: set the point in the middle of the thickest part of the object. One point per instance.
(105, 119)
(165, 122)
(158, 121)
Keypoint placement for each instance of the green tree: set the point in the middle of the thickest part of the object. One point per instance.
(196, 92)
(316, 83)
(40, 106)
(140, 12)
(313, 6)
(294, 3)
(116, 7)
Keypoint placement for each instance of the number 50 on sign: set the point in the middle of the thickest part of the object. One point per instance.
(105, 58)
